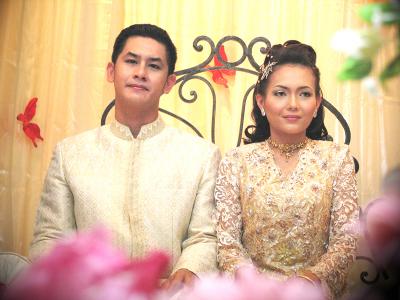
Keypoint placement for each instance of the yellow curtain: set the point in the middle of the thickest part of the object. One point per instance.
(57, 50)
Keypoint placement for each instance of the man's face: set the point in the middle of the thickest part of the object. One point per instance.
(140, 74)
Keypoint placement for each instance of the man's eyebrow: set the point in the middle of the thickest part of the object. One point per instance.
(153, 59)
(132, 54)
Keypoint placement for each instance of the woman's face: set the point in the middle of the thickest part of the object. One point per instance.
(290, 102)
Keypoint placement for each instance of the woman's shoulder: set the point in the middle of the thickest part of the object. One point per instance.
(330, 147)
(244, 150)
(330, 151)
(245, 154)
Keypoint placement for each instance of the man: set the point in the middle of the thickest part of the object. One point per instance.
(150, 184)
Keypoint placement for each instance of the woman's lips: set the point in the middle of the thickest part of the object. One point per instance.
(291, 118)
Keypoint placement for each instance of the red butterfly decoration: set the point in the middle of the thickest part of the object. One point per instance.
(31, 130)
(218, 75)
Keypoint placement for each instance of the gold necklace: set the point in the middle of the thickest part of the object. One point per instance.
(287, 149)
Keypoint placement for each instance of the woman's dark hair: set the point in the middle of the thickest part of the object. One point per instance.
(291, 52)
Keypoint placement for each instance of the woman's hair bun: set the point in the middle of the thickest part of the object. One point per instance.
(302, 48)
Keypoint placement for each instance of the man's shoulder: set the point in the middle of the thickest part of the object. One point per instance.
(190, 141)
(84, 138)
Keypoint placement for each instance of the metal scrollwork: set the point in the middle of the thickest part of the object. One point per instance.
(240, 60)
(189, 73)
(106, 111)
(246, 95)
(194, 98)
(341, 119)
(199, 48)
(185, 75)
(364, 276)
(263, 50)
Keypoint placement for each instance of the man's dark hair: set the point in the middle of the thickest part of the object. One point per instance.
(150, 31)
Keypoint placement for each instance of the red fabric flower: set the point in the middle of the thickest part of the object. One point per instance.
(224, 57)
(218, 78)
(218, 75)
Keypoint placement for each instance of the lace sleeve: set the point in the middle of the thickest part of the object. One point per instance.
(231, 253)
(333, 266)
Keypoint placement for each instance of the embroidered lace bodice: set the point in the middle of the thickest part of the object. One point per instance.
(283, 224)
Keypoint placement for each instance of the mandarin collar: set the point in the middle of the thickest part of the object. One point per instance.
(146, 131)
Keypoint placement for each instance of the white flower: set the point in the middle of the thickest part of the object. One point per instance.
(349, 41)
(379, 17)
(370, 84)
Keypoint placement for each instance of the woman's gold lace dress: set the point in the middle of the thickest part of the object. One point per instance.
(285, 224)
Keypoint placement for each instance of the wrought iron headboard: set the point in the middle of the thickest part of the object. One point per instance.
(185, 75)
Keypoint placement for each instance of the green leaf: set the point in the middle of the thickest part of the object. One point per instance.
(389, 12)
(367, 11)
(392, 69)
(355, 68)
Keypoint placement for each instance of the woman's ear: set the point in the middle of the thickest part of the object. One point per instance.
(260, 101)
(319, 101)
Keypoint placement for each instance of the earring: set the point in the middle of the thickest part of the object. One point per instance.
(315, 114)
(262, 111)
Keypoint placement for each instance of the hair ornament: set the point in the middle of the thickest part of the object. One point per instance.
(265, 70)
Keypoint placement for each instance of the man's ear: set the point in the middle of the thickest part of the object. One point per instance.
(169, 83)
(110, 72)
(260, 101)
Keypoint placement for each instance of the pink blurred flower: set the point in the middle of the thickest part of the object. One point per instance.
(381, 224)
(87, 267)
(250, 285)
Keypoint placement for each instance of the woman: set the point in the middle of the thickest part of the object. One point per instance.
(287, 201)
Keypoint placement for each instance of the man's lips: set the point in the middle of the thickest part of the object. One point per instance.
(137, 87)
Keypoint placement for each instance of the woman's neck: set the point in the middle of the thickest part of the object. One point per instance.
(288, 139)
